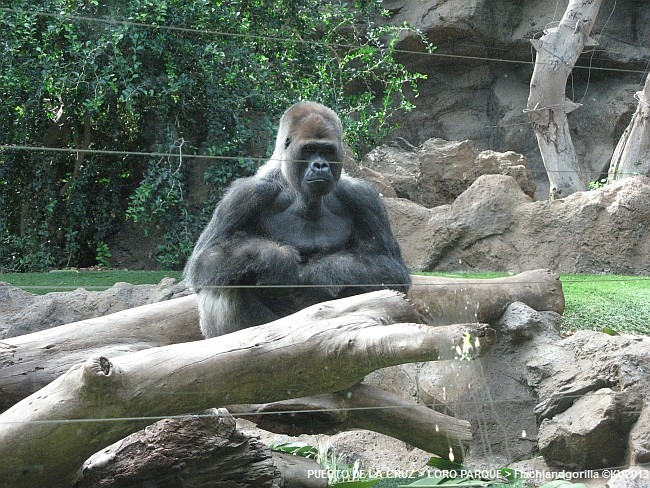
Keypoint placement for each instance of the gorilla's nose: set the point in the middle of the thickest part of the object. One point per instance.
(320, 165)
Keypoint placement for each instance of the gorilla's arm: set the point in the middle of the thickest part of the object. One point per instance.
(228, 252)
(372, 257)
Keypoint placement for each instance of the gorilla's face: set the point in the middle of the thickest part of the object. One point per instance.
(314, 155)
(321, 168)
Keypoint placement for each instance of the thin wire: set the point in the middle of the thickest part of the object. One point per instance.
(20, 147)
(432, 406)
(282, 39)
(461, 281)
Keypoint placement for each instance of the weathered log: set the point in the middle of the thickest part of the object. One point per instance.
(632, 154)
(45, 438)
(199, 451)
(363, 407)
(202, 450)
(29, 362)
(444, 301)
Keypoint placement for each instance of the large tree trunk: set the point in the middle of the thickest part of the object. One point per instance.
(31, 361)
(45, 438)
(557, 51)
(632, 154)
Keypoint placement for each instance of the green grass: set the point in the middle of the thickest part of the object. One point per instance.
(596, 302)
(67, 280)
(593, 302)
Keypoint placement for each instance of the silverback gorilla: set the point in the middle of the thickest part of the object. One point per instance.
(297, 233)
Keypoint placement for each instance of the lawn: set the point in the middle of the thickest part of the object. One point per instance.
(621, 303)
(96, 280)
(595, 302)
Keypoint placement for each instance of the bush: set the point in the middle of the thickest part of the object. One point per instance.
(96, 82)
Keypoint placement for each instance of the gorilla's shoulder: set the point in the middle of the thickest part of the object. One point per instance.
(253, 187)
(357, 194)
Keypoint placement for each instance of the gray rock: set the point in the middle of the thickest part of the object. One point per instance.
(438, 171)
(639, 448)
(592, 433)
(40, 312)
(521, 323)
(494, 226)
(635, 477)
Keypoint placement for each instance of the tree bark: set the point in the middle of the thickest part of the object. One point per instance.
(443, 301)
(31, 361)
(557, 52)
(363, 407)
(632, 154)
(198, 451)
(45, 438)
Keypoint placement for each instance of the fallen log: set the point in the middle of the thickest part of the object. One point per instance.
(31, 361)
(199, 451)
(443, 301)
(363, 407)
(45, 438)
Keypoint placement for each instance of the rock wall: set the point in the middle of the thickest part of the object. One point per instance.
(479, 76)
(494, 226)
(438, 171)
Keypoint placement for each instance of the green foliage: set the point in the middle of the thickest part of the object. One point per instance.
(339, 475)
(355, 484)
(562, 484)
(595, 185)
(175, 77)
(103, 255)
(296, 448)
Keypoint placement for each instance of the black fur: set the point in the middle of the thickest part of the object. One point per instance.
(297, 222)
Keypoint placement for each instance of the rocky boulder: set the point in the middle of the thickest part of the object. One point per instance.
(593, 432)
(24, 313)
(438, 171)
(494, 226)
(594, 401)
(478, 79)
(583, 401)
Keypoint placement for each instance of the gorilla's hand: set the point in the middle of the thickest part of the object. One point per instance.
(245, 260)
(277, 264)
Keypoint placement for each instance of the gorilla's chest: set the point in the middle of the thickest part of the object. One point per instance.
(326, 233)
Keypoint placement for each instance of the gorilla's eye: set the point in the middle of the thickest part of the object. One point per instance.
(287, 142)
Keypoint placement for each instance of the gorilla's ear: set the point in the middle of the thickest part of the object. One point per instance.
(287, 142)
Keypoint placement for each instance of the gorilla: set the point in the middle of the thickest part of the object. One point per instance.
(297, 233)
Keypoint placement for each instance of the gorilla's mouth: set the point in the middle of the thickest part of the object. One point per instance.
(319, 181)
